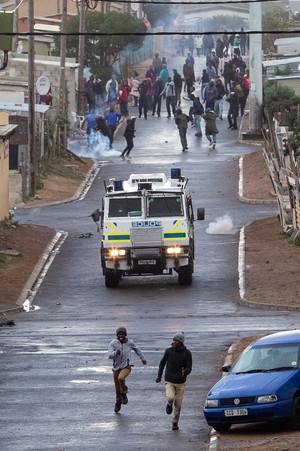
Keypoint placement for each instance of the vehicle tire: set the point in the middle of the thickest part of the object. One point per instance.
(112, 280)
(185, 275)
(295, 420)
(221, 427)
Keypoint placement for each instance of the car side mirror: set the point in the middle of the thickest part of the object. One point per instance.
(96, 215)
(226, 368)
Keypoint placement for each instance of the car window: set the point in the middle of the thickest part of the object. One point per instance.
(125, 207)
(264, 358)
(164, 206)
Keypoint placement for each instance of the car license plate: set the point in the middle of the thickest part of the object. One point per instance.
(235, 412)
(147, 262)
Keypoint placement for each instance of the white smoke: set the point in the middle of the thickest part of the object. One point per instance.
(221, 226)
(98, 147)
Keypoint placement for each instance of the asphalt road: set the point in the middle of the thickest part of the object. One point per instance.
(56, 383)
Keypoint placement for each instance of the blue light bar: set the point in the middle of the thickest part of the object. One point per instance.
(118, 185)
(175, 173)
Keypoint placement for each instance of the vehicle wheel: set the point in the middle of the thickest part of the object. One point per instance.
(221, 427)
(112, 280)
(295, 423)
(185, 275)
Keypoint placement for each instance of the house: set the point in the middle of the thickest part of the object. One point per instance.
(6, 130)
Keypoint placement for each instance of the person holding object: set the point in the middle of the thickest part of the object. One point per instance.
(119, 351)
(178, 362)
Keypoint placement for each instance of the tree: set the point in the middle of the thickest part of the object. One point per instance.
(275, 20)
(101, 52)
(279, 98)
(158, 15)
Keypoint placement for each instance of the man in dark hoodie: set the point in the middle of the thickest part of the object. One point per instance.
(178, 362)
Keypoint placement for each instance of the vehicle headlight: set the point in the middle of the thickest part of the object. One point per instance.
(266, 399)
(117, 252)
(211, 403)
(174, 250)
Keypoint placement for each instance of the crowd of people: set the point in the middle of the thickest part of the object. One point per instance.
(225, 78)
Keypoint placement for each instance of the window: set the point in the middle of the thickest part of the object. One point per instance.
(125, 207)
(164, 206)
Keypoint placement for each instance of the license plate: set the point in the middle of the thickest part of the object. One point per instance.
(147, 262)
(235, 412)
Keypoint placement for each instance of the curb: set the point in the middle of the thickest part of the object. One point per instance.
(241, 196)
(31, 286)
(241, 255)
(214, 435)
(80, 193)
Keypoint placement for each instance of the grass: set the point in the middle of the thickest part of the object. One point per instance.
(58, 167)
(8, 260)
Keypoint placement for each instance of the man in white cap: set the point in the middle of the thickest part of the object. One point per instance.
(120, 350)
(178, 362)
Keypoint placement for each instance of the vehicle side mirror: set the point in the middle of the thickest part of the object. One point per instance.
(200, 214)
(96, 215)
(226, 368)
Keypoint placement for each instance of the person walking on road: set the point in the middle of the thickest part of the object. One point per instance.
(178, 86)
(129, 134)
(112, 120)
(169, 93)
(178, 362)
(210, 127)
(181, 121)
(197, 111)
(233, 111)
(120, 351)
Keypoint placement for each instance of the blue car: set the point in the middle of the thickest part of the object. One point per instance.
(262, 385)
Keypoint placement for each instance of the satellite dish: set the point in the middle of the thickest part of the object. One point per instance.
(43, 85)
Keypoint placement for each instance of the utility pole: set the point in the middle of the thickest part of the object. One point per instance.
(81, 58)
(16, 19)
(63, 43)
(255, 66)
(31, 101)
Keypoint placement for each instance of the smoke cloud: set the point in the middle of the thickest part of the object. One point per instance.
(97, 147)
(221, 226)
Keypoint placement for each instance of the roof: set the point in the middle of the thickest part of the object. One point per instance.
(46, 27)
(278, 62)
(19, 107)
(8, 129)
(285, 41)
(47, 61)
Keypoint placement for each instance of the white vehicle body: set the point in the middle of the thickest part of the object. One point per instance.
(147, 226)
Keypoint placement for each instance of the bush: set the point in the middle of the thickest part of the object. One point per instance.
(279, 98)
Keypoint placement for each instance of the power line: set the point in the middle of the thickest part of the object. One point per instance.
(154, 33)
(226, 2)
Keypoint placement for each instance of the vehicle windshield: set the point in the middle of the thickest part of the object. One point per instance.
(268, 358)
(164, 205)
(125, 207)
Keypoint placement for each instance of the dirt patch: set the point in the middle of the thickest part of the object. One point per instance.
(57, 188)
(257, 182)
(30, 241)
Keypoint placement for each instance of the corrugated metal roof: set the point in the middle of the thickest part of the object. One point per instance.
(18, 107)
(6, 130)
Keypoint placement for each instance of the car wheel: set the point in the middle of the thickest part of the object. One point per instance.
(295, 424)
(221, 427)
(111, 280)
(185, 274)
